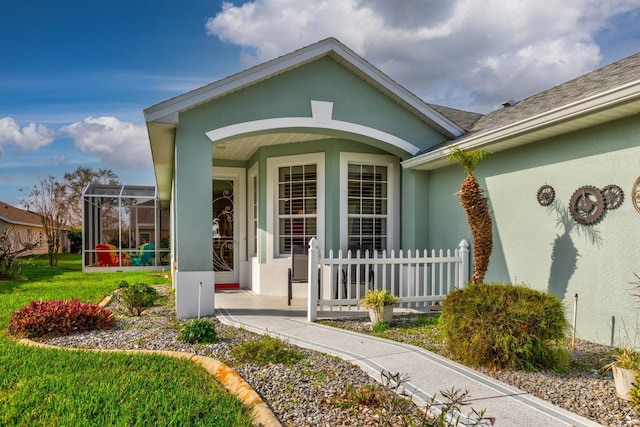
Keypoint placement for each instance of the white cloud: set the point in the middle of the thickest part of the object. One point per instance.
(116, 143)
(29, 138)
(462, 53)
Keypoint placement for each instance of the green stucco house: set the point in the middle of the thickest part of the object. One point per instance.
(321, 143)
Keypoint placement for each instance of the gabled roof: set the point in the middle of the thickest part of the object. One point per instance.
(162, 118)
(167, 111)
(16, 216)
(609, 93)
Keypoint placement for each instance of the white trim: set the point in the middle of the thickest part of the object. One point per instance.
(593, 105)
(307, 124)
(238, 175)
(251, 238)
(195, 294)
(273, 165)
(393, 193)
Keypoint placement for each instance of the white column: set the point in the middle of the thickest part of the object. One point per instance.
(463, 252)
(312, 300)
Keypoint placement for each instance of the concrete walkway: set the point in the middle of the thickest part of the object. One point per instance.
(428, 372)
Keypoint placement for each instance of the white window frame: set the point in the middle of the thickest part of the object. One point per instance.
(393, 194)
(273, 227)
(253, 202)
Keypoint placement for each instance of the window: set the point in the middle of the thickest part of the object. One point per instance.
(367, 189)
(369, 201)
(294, 203)
(297, 206)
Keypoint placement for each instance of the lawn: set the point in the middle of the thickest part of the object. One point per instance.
(41, 387)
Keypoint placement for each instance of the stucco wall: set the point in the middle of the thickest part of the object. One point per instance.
(285, 96)
(544, 248)
(289, 95)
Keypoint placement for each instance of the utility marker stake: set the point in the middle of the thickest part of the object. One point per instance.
(199, 297)
(575, 315)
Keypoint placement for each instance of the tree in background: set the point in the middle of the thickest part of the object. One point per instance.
(12, 245)
(75, 183)
(48, 199)
(74, 234)
(476, 205)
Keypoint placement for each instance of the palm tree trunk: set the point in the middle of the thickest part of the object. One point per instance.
(477, 208)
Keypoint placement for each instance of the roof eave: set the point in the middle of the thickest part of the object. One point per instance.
(614, 104)
(13, 222)
(168, 111)
(162, 140)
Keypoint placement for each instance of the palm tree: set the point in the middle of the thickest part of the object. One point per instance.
(476, 206)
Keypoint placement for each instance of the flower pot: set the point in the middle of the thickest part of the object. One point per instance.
(624, 380)
(381, 314)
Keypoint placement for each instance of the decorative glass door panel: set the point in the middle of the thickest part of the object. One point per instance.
(223, 230)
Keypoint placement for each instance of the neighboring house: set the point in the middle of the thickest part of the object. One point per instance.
(25, 223)
(143, 218)
(321, 143)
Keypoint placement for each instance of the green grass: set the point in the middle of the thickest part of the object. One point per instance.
(266, 349)
(42, 387)
(419, 329)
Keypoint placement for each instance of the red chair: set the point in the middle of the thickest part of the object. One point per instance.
(106, 256)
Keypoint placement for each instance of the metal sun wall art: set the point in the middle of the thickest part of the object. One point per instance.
(588, 203)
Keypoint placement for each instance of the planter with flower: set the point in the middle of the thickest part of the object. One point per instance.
(625, 366)
(379, 304)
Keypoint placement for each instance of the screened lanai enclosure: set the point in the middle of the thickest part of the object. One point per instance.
(124, 228)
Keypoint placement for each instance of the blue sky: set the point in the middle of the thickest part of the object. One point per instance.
(76, 75)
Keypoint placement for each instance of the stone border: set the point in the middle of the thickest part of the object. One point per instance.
(230, 379)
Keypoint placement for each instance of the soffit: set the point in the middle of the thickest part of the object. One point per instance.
(244, 147)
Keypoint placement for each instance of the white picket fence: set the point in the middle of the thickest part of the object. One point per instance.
(419, 279)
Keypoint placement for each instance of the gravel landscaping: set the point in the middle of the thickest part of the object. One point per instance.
(318, 390)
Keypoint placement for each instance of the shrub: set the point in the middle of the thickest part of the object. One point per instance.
(58, 317)
(265, 350)
(380, 327)
(505, 326)
(635, 392)
(198, 331)
(137, 297)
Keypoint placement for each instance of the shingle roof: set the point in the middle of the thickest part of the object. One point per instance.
(13, 215)
(598, 81)
(464, 119)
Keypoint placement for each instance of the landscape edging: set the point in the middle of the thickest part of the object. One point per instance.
(230, 379)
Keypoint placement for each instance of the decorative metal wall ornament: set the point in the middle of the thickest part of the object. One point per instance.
(635, 194)
(587, 205)
(546, 195)
(613, 196)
